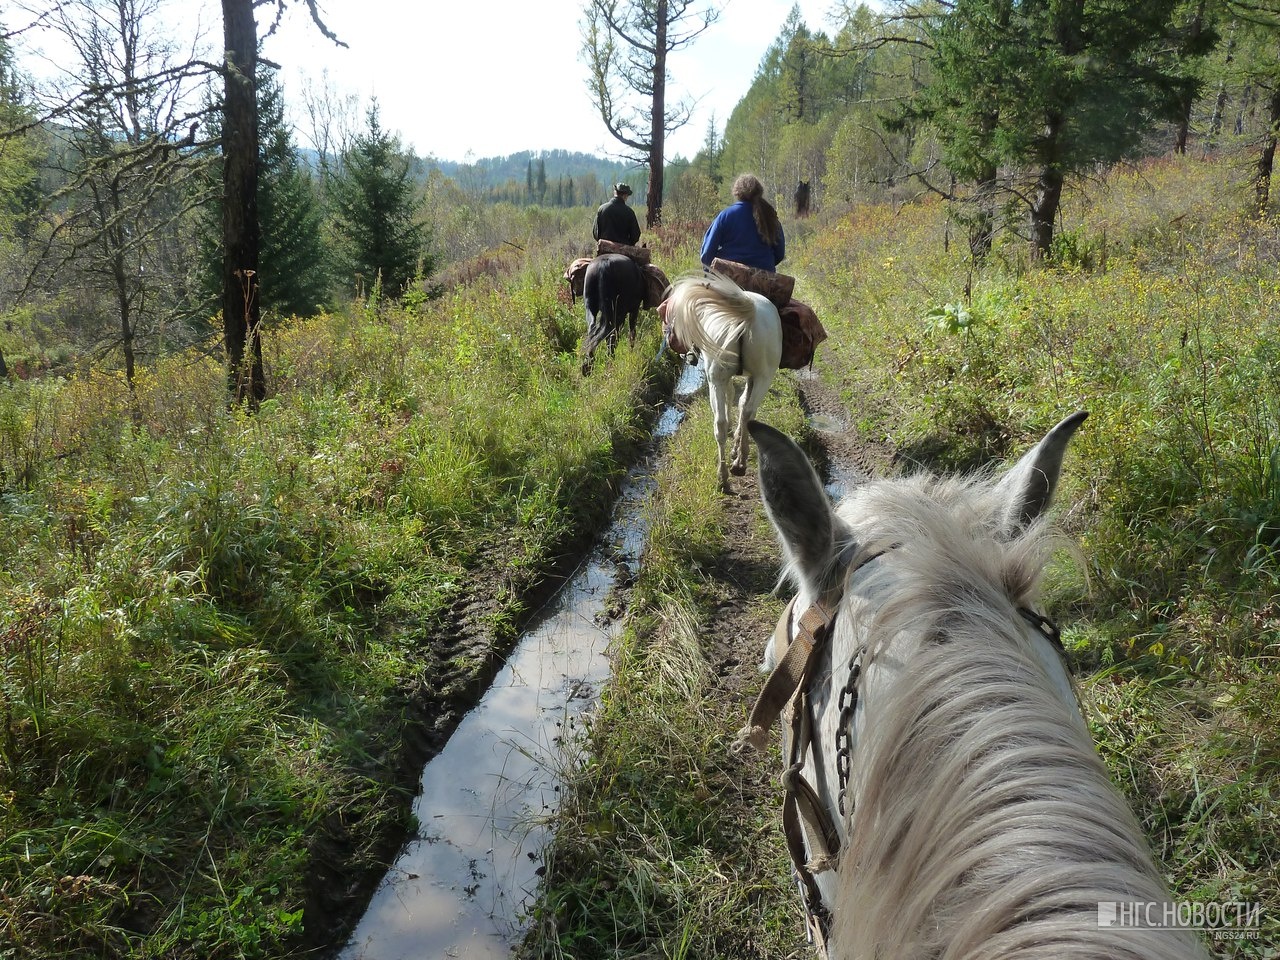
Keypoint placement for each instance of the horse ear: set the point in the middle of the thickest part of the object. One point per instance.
(1027, 489)
(797, 505)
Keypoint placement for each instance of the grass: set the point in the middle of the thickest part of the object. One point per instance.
(212, 625)
(1158, 316)
(651, 856)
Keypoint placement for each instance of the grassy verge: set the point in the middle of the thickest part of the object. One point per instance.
(653, 856)
(1158, 314)
(221, 634)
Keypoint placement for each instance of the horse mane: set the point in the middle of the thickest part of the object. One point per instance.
(710, 312)
(986, 824)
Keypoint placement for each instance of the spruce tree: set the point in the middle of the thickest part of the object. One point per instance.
(293, 277)
(293, 261)
(374, 210)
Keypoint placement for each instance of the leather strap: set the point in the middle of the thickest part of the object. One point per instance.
(785, 680)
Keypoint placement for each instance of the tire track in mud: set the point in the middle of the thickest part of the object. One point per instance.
(460, 658)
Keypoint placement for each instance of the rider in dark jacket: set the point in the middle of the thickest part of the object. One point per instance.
(615, 220)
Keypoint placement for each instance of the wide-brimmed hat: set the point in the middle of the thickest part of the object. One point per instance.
(621, 188)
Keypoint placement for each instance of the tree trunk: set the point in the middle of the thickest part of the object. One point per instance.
(240, 313)
(1188, 103)
(124, 308)
(1048, 193)
(658, 120)
(1220, 101)
(1266, 159)
(983, 227)
(1044, 211)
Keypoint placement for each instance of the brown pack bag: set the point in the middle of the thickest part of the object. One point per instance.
(668, 330)
(655, 286)
(801, 334)
(640, 255)
(777, 287)
(576, 276)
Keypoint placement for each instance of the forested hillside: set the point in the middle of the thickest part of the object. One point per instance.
(230, 631)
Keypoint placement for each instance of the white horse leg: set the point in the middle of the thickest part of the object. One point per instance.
(720, 389)
(752, 396)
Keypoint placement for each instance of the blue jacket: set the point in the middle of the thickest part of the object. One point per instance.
(733, 236)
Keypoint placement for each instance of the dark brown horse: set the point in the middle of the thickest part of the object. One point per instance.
(614, 293)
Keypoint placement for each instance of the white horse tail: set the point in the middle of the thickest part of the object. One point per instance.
(710, 313)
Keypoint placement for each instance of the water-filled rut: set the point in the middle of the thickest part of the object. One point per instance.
(460, 885)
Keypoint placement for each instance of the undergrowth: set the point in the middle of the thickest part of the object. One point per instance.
(212, 623)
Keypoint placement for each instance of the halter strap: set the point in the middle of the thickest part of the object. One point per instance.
(1046, 627)
(793, 655)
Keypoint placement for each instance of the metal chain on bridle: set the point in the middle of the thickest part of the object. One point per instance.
(787, 689)
(848, 704)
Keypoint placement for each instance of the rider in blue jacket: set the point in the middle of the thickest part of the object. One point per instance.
(748, 231)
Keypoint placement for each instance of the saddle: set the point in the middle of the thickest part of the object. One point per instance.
(655, 281)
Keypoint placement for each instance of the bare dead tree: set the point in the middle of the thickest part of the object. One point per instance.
(128, 174)
(625, 44)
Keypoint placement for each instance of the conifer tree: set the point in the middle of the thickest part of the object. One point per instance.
(374, 210)
(1048, 88)
(294, 264)
(19, 178)
(293, 276)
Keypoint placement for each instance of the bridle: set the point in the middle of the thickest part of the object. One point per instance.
(812, 838)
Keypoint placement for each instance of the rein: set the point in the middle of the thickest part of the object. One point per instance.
(785, 693)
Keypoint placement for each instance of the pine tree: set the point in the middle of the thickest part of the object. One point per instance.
(1050, 88)
(379, 238)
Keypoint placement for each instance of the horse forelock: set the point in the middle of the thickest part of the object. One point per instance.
(985, 823)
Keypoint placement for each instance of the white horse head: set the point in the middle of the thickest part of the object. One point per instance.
(978, 820)
(738, 333)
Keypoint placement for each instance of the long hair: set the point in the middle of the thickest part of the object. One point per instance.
(987, 826)
(749, 188)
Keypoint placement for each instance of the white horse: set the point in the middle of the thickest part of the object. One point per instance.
(738, 333)
(979, 822)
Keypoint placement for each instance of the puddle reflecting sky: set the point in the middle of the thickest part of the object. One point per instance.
(459, 887)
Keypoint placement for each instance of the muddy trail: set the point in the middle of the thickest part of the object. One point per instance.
(482, 750)
(487, 724)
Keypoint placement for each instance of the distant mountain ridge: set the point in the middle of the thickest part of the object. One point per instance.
(498, 177)
(489, 172)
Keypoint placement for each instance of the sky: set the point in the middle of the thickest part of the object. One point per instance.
(469, 79)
